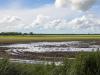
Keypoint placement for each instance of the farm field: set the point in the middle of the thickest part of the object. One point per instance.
(49, 54)
(47, 47)
(49, 38)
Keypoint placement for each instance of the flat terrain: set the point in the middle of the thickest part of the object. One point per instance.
(39, 38)
(49, 38)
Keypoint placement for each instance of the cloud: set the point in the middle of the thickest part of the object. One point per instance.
(89, 22)
(61, 3)
(85, 22)
(24, 19)
(39, 22)
(11, 23)
(49, 17)
(76, 4)
(47, 23)
(42, 22)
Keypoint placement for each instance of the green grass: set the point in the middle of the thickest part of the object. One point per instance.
(84, 64)
(50, 38)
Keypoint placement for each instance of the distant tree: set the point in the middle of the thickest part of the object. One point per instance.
(10, 33)
(31, 33)
(25, 33)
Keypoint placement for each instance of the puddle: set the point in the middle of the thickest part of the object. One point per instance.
(54, 46)
(30, 52)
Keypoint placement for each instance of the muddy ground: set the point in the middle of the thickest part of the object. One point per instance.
(48, 56)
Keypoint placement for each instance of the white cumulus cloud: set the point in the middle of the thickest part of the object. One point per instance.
(11, 23)
(85, 22)
(77, 4)
(79, 23)
(15, 23)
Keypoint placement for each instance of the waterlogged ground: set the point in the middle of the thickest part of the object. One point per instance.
(55, 46)
(48, 50)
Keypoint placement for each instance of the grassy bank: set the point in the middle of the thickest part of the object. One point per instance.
(50, 38)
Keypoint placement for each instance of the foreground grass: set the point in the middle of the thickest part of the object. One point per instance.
(49, 38)
(84, 64)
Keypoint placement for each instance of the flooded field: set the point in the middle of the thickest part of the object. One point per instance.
(48, 50)
(54, 46)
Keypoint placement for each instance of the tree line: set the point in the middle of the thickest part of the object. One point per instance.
(16, 33)
(32, 33)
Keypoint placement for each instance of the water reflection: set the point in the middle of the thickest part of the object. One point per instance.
(54, 46)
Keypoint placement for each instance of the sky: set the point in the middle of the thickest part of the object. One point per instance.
(50, 16)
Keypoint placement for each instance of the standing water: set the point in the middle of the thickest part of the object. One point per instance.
(30, 52)
(55, 46)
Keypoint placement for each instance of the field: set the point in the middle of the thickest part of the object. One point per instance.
(43, 37)
(81, 63)
(49, 38)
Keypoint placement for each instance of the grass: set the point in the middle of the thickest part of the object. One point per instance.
(49, 38)
(84, 64)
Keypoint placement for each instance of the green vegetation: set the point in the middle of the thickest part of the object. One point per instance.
(7, 68)
(87, 64)
(84, 64)
(33, 38)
